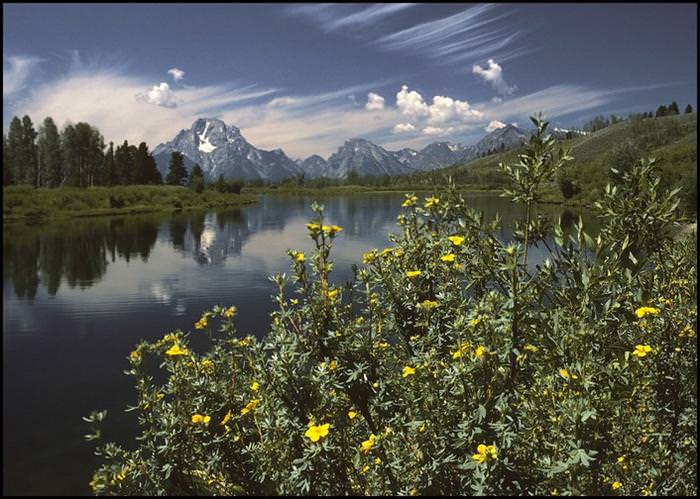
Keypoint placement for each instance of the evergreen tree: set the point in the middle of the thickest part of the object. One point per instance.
(29, 152)
(661, 111)
(196, 180)
(673, 108)
(121, 164)
(6, 164)
(110, 173)
(82, 148)
(220, 184)
(49, 145)
(688, 109)
(176, 171)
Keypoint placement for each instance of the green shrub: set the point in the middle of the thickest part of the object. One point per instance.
(447, 366)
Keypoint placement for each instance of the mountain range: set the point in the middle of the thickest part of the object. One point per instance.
(220, 149)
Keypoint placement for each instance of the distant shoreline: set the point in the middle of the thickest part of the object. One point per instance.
(24, 204)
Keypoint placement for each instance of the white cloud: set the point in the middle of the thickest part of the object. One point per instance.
(16, 73)
(375, 102)
(160, 95)
(494, 75)
(494, 125)
(446, 110)
(403, 127)
(177, 74)
(435, 130)
(496, 100)
(411, 103)
(333, 16)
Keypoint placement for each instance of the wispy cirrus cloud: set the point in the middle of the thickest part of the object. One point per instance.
(16, 71)
(332, 16)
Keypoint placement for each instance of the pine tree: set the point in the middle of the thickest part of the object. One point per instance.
(688, 109)
(49, 145)
(29, 152)
(661, 111)
(196, 180)
(6, 163)
(110, 174)
(176, 172)
(673, 108)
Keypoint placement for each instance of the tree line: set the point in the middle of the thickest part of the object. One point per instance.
(600, 122)
(77, 156)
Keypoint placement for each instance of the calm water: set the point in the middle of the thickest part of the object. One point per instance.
(77, 296)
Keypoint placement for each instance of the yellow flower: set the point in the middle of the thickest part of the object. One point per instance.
(616, 485)
(160, 395)
(413, 273)
(408, 371)
(480, 351)
(176, 350)
(207, 365)
(364, 469)
(431, 201)
(450, 257)
(476, 321)
(200, 419)
(332, 294)
(377, 460)
(300, 257)
(369, 257)
(687, 331)
(530, 348)
(428, 304)
(294, 301)
(352, 414)
(456, 240)
(564, 373)
(422, 428)
(462, 348)
(621, 459)
(554, 492)
(336, 228)
(227, 417)
(315, 433)
(313, 227)
(410, 201)
(230, 312)
(332, 366)
(642, 311)
(251, 406)
(245, 341)
(641, 350)
(483, 452)
(382, 345)
(369, 443)
(255, 386)
(135, 356)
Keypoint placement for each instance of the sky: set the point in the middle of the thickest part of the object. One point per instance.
(307, 77)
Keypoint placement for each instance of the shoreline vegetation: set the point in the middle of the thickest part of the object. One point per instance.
(29, 205)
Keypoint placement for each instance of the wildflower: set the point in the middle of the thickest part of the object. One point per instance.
(398, 252)
(369, 257)
(255, 386)
(332, 366)
(413, 273)
(408, 371)
(687, 331)
(230, 312)
(483, 452)
(244, 342)
(621, 459)
(530, 348)
(369, 443)
(352, 414)
(315, 433)
(377, 460)
(422, 428)
(200, 419)
(564, 373)
(642, 311)
(294, 301)
(476, 321)
(428, 304)
(462, 348)
(616, 485)
(207, 365)
(641, 350)
(201, 323)
(480, 351)
(313, 227)
(456, 240)
(227, 417)
(332, 294)
(135, 356)
(336, 228)
(251, 406)
(160, 395)
(450, 257)
(364, 469)
(386, 252)
(382, 345)
(431, 201)
(176, 350)
(410, 201)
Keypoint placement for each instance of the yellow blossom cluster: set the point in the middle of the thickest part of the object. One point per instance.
(201, 419)
(315, 433)
(250, 407)
(367, 445)
(641, 312)
(410, 201)
(430, 202)
(484, 452)
(641, 350)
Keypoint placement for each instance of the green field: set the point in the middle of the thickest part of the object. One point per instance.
(24, 203)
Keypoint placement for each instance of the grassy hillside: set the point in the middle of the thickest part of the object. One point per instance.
(24, 203)
(672, 140)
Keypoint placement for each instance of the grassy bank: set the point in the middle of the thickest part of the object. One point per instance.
(26, 204)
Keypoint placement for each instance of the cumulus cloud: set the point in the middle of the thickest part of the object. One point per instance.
(160, 95)
(177, 74)
(494, 125)
(436, 130)
(403, 127)
(411, 103)
(375, 102)
(15, 73)
(494, 75)
(446, 110)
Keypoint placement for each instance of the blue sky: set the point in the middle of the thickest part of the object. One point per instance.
(306, 77)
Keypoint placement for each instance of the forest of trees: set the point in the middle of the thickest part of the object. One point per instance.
(73, 157)
(600, 122)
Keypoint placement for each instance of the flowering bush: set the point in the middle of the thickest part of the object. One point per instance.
(447, 366)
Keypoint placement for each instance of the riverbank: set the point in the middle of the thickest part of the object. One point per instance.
(29, 205)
